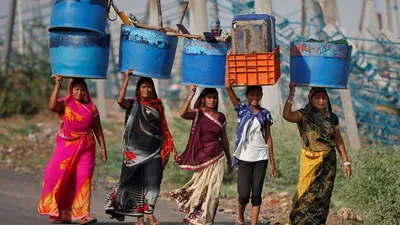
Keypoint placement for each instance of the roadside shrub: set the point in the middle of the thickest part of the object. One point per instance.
(374, 188)
(27, 89)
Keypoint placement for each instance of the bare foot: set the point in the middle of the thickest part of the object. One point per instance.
(152, 220)
(140, 221)
(239, 221)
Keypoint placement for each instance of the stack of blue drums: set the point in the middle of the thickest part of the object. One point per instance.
(79, 46)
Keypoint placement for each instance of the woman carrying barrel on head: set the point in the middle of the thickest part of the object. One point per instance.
(253, 149)
(68, 175)
(147, 144)
(204, 154)
(320, 133)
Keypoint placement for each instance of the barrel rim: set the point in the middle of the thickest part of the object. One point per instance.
(79, 33)
(97, 77)
(141, 74)
(204, 85)
(75, 29)
(150, 30)
(320, 43)
(104, 5)
(322, 86)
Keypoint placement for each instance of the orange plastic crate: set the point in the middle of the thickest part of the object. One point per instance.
(254, 69)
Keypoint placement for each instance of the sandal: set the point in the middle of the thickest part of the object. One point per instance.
(139, 221)
(88, 220)
(57, 220)
(238, 222)
(54, 219)
(152, 220)
(115, 215)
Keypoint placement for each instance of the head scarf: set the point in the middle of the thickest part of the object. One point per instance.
(199, 101)
(313, 91)
(87, 97)
(140, 82)
(317, 120)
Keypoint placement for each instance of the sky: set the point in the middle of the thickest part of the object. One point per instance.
(349, 10)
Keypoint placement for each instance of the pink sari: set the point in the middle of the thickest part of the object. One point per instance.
(67, 178)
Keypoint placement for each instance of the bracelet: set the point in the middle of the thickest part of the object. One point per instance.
(291, 94)
(103, 150)
(347, 163)
(289, 101)
(272, 160)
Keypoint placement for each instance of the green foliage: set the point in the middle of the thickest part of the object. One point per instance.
(374, 188)
(287, 146)
(5, 140)
(25, 130)
(28, 88)
(180, 130)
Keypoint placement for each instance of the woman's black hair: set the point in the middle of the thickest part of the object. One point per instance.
(141, 81)
(78, 81)
(207, 91)
(253, 88)
(200, 100)
(315, 90)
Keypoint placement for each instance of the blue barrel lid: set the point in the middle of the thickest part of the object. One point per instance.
(252, 16)
(303, 48)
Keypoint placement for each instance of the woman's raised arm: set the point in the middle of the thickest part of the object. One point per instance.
(124, 103)
(184, 113)
(54, 104)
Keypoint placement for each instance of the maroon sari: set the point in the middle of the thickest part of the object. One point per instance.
(205, 145)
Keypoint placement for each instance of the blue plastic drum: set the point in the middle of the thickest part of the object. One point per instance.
(79, 54)
(90, 15)
(148, 52)
(203, 63)
(320, 64)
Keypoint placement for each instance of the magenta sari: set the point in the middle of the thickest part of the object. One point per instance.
(67, 178)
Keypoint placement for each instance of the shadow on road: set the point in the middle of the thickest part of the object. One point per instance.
(162, 223)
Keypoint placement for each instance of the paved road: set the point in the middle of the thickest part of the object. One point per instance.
(19, 194)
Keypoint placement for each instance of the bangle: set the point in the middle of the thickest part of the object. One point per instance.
(272, 160)
(103, 150)
(347, 163)
(289, 101)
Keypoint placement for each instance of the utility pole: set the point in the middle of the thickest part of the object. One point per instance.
(361, 23)
(113, 64)
(35, 26)
(154, 20)
(215, 12)
(20, 28)
(9, 37)
(331, 17)
(213, 16)
(100, 94)
(101, 99)
(389, 19)
(198, 23)
(272, 99)
(396, 6)
(303, 18)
